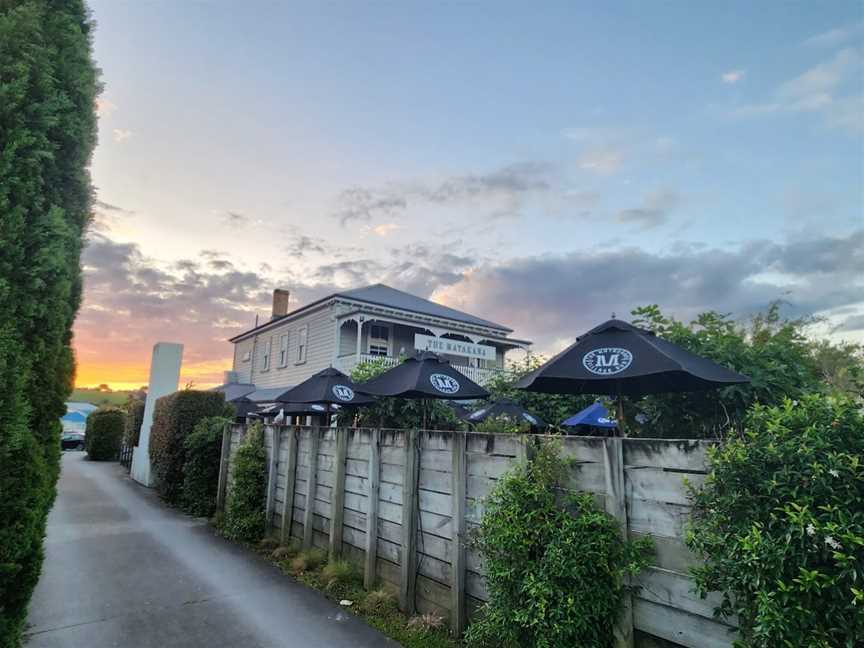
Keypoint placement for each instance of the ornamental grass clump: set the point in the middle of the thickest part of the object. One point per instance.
(555, 565)
(245, 518)
(779, 523)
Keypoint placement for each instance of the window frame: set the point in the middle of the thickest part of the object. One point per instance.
(388, 326)
(284, 347)
(265, 354)
(302, 344)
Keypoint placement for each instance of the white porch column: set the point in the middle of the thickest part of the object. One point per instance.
(164, 376)
(359, 337)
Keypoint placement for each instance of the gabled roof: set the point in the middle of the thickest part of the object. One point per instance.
(381, 295)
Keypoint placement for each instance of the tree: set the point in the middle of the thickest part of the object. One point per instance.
(773, 351)
(48, 85)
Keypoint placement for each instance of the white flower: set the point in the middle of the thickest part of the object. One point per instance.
(834, 473)
(811, 530)
(831, 542)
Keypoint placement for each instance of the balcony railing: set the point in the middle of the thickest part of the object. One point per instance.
(346, 363)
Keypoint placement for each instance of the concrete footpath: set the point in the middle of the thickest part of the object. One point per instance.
(123, 570)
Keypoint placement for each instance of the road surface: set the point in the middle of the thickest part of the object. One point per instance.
(123, 570)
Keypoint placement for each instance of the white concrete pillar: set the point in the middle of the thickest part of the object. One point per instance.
(359, 338)
(164, 376)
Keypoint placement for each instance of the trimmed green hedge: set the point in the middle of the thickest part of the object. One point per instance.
(174, 419)
(104, 433)
(134, 420)
(201, 472)
(245, 518)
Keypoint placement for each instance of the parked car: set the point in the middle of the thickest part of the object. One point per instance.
(72, 441)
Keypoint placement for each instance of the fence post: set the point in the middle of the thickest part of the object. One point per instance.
(372, 510)
(337, 500)
(457, 581)
(616, 505)
(273, 474)
(408, 573)
(311, 484)
(290, 484)
(224, 458)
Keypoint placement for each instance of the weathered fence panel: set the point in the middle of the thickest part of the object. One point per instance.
(402, 504)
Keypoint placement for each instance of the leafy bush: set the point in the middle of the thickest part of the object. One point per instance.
(780, 524)
(104, 433)
(174, 419)
(244, 514)
(308, 560)
(503, 424)
(134, 420)
(404, 413)
(48, 85)
(555, 565)
(203, 450)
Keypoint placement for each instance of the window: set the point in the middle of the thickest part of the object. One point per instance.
(283, 350)
(302, 335)
(379, 340)
(265, 355)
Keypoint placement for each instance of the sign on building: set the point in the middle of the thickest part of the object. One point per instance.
(453, 347)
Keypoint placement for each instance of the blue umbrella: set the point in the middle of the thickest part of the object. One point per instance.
(594, 415)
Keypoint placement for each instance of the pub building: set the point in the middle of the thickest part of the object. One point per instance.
(350, 327)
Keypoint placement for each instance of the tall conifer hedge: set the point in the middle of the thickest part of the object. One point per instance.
(48, 84)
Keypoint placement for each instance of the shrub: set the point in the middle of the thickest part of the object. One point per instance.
(134, 420)
(503, 424)
(244, 514)
(174, 419)
(378, 602)
(104, 433)
(284, 552)
(48, 85)
(203, 451)
(780, 525)
(555, 575)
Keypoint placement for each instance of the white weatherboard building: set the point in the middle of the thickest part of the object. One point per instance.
(368, 323)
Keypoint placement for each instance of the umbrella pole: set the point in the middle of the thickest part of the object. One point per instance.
(622, 428)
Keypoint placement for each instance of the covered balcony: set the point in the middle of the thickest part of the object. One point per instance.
(478, 357)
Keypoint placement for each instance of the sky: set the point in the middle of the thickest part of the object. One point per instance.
(539, 165)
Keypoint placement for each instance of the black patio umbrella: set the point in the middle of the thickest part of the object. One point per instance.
(506, 408)
(619, 359)
(426, 376)
(328, 388)
(277, 410)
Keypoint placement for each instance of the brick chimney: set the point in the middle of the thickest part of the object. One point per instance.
(280, 303)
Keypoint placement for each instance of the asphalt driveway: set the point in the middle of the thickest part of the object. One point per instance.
(121, 569)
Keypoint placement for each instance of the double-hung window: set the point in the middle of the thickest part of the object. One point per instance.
(379, 340)
(302, 337)
(265, 355)
(283, 350)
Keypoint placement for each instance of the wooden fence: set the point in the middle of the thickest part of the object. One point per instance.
(401, 504)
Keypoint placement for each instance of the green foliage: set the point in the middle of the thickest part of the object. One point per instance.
(104, 433)
(780, 525)
(308, 560)
(503, 425)
(401, 413)
(341, 577)
(174, 419)
(244, 513)
(775, 352)
(48, 85)
(555, 565)
(134, 420)
(203, 450)
(552, 408)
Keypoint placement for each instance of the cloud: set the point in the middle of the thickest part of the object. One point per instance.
(830, 89)
(105, 108)
(554, 298)
(121, 135)
(604, 161)
(502, 190)
(732, 76)
(385, 229)
(235, 219)
(653, 212)
(835, 37)
(851, 324)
